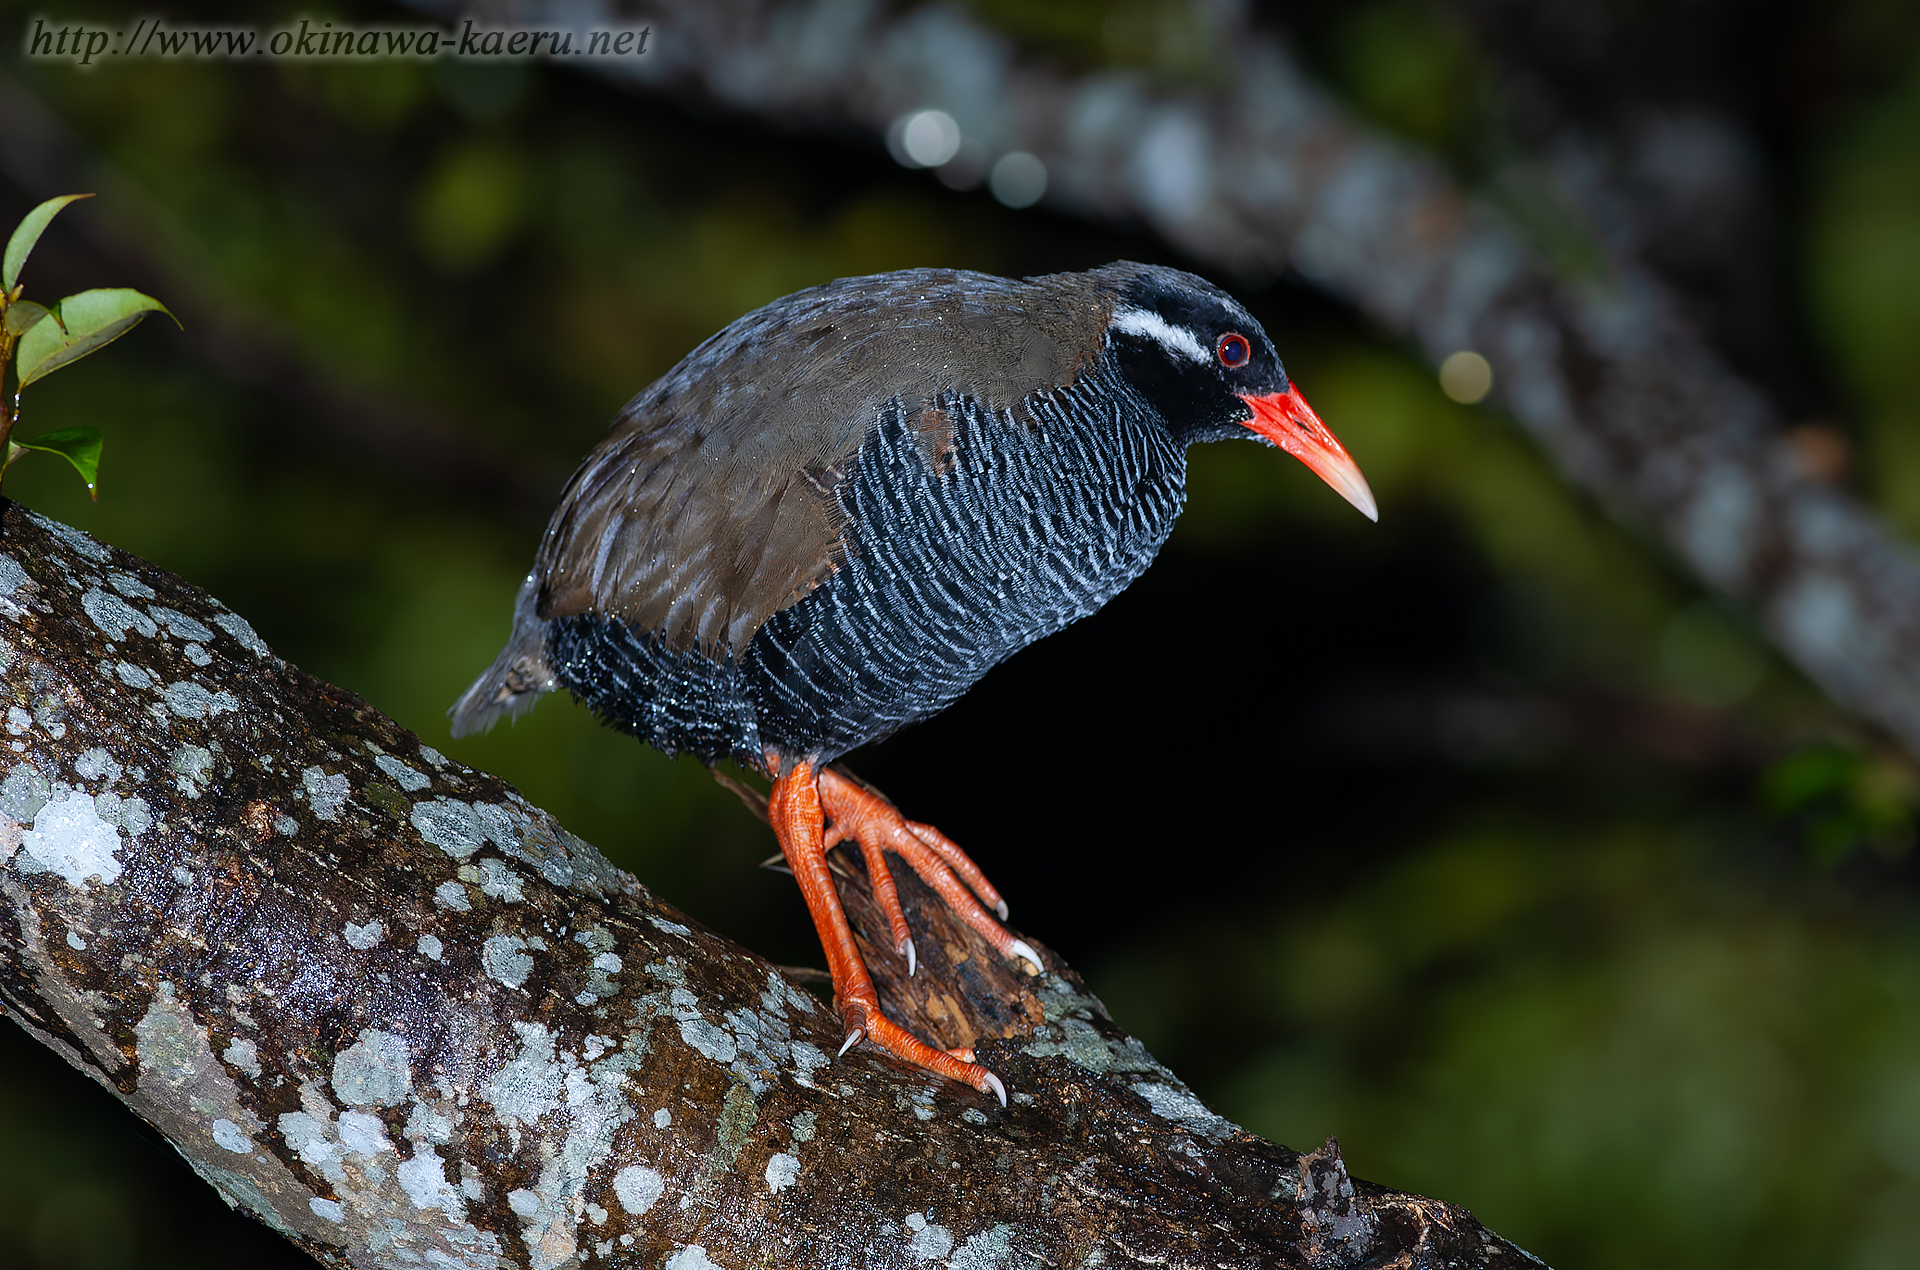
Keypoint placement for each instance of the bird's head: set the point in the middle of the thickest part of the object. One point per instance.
(1206, 365)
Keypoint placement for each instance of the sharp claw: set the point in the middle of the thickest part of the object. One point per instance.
(993, 1083)
(1021, 948)
(906, 946)
(1001, 908)
(853, 1039)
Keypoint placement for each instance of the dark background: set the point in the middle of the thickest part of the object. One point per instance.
(1481, 838)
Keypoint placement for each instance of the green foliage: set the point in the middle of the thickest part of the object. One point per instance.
(21, 314)
(78, 446)
(35, 341)
(79, 325)
(20, 245)
(1840, 801)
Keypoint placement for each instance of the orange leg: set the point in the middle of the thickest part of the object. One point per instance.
(858, 812)
(793, 809)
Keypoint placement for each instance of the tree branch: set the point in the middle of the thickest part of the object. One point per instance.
(401, 1016)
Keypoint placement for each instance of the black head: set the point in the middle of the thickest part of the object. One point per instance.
(1209, 370)
(1192, 352)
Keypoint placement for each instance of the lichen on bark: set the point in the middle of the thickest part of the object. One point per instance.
(405, 1018)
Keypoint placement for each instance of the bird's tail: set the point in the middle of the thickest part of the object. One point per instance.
(518, 676)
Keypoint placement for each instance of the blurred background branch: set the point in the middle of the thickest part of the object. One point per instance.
(1531, 871)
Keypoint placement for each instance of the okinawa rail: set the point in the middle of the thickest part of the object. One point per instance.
(836, 514)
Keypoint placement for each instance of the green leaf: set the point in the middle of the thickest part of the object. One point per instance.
(27, 235)
(22, 314)
(78, 446)
(82, 323)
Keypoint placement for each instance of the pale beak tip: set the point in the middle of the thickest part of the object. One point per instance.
(1350, 485)
(1364, 501)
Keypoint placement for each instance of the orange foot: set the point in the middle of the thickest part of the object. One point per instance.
(800, 800)
(865, 816)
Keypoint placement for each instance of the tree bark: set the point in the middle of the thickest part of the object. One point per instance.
(1259, 170)
(403, 1017)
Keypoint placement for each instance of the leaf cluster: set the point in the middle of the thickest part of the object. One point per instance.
(36, 340)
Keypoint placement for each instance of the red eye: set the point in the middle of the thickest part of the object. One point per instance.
(1234, 350)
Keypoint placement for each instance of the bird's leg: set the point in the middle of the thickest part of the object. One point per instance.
(793, 809)
(861, 813)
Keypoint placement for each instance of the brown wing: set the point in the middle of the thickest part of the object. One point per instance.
(711, 504)
(701, 552)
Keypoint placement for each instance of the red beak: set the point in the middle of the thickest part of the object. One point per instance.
(1286, 419)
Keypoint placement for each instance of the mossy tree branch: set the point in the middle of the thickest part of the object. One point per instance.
(403, 1017)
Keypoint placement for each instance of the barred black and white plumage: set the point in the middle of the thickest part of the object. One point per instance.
(947, 572)
(838, 513)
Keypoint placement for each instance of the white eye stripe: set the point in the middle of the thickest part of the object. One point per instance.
(1175, 339)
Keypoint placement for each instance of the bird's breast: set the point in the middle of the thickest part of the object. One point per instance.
(960, 554)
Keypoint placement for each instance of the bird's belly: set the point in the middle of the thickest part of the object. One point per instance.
(681, 700)
(953, 570)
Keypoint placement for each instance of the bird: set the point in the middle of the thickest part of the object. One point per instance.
(836, 514)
